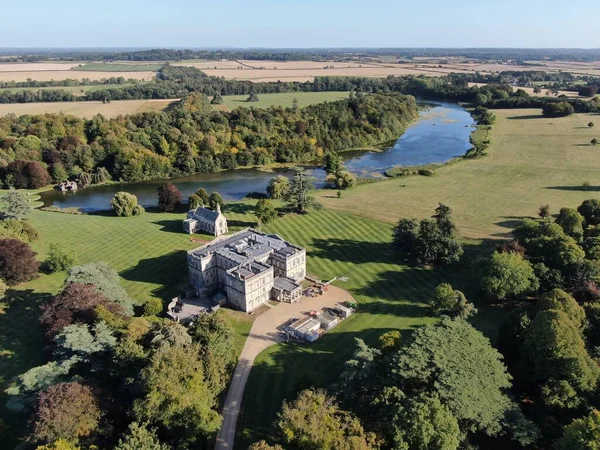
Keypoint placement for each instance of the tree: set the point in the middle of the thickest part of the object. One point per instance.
(203, 196)
(105, 280)
(27, 174)
(168, 334)
(194, 201)
(332, 162)
(215, 336)
(342, 179)
(425, 423)
(558, 109)
(153, 306)
(457, 363)
(139, 437)
(506, 276)
(175, 397)
(295, 106)
(77, 303)
(444, 221)
(60, 444)
(17, 262)
(3, 289)
(357, 378)
(298, 197)
(125, 204)
(571, 222)
(169, 197)
(594, 141)
(581, 434)
(544, 211)
(59, 259)
(278, 187)
(314, 421)
(263, 445)
(591, 124)
(66, 410)
(560, 300)
(450, 302)
(590, 210)
(215, 200)
(560, 364)
(265, 212)
(217, 99)
(57, 172)
(14, 206)
(252, 98)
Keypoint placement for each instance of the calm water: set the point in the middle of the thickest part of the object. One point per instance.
(441, 133)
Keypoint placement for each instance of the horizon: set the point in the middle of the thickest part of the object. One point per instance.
(310, 24)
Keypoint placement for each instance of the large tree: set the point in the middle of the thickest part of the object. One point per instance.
(105, 280)
(215, 200)
(581, 434)
(507, 276)
(265, 212)
(175, 396)
(139, 437)
(561, 366)
(77, 303)
(450, 302)
(457, 363)
(125, 204)
(571, 222)
(590, 210)
(314, 421)
(169, 197)
(66, 410)
(298, 196)
(278, 187)
(14, 205)
(17, 262)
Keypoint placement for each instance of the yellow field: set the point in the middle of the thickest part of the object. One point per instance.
(87, 109)
(530, 91)
(47, 75)
(34, 67)
(532, 161)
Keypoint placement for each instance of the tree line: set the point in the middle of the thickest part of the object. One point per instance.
(190, 138)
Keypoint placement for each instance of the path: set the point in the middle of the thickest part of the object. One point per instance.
(263, 334)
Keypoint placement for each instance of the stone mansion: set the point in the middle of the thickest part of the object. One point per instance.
(249, 267)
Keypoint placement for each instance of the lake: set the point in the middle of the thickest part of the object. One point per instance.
(441, 133)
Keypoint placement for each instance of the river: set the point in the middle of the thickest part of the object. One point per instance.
(439, 134)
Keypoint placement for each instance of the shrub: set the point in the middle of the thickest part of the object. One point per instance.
(17, 262)
(153, 306)
(14, 205)
(18, 229)
(125, 204)
(559, 109)
(594, 141)
(59, 260)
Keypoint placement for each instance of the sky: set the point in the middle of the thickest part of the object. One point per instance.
(299, 23)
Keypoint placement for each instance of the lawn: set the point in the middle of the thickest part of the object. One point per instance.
(116, 67)
(281, 99)
(76, 90)
(86, 109)
(532, 161)
(391, 296)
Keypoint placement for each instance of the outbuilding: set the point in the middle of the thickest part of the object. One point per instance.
(328, 321)
(344, 311)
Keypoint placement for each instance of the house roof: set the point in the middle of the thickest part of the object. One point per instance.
(206, 214)
(285, 284)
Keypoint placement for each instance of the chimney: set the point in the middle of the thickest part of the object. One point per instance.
(218, 208)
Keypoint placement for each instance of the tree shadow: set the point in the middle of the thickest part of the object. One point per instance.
(238, 208)
(102, 213)
(169, 271)
(22, 345)
(353, 251)
(526, 117)
(583, 145)
(574, 188)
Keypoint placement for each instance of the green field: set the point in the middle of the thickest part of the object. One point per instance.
(76, 90)
(532, 161)
(281, 99)
(116, 67)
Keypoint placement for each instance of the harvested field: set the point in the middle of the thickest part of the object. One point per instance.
(48, 75)
(34, 67)
(86, 109)
(114, 67)
(75, 90)
(530, 91)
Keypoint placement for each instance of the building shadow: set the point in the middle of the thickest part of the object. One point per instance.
(168, 271)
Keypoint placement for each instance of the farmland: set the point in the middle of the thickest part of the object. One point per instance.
(114, 67)
(281, 99)
(532, 161)
(49, 75)
(86, 109)
(75, 90)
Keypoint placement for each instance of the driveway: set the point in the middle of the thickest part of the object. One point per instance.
(263, 334)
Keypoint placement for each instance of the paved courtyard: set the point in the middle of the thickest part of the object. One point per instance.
(263, 334)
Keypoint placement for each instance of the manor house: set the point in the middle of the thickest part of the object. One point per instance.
(249, 267)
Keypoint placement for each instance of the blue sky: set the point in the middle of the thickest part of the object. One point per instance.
(306, 23)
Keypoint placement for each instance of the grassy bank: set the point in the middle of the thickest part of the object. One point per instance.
(531, 161)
